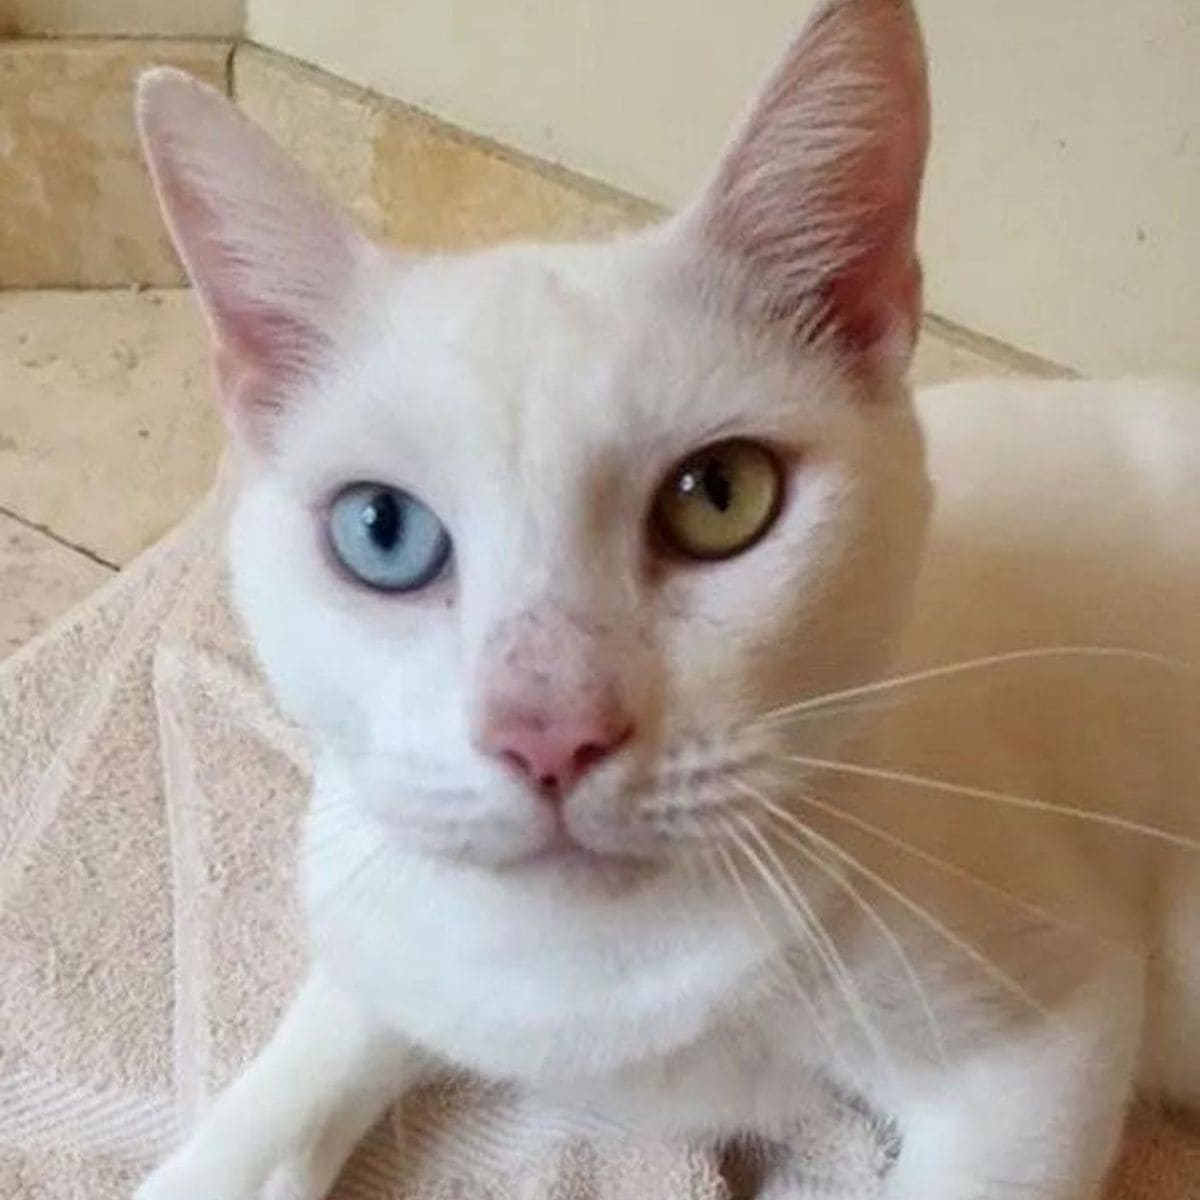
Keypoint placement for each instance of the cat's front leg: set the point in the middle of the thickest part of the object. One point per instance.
(287, 1124)
(1037, 1115)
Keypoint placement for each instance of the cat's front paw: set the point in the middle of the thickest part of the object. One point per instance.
(198, 1175)
(188, 1177)
(192, 1174)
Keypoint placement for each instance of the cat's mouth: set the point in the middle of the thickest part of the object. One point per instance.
(562, 847)
(535, 839)
(564, 854)
(614, 827)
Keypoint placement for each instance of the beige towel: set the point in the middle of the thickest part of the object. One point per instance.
(149, 800)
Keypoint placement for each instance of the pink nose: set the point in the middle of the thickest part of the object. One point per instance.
(554, 754)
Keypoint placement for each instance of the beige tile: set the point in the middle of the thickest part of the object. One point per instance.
(160, 18)
(435, 191)
(411, 179)
(107, 431)
(327, 126)
(75, 203)
(39, 580)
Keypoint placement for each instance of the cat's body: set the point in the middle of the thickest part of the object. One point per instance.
(723, 1046)
(568, 829)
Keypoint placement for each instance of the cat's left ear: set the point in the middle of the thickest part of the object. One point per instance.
(273, 265)
(812, 212)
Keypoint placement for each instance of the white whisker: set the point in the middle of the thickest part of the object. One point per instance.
(885, 930)
(976, 664)
(1028, 803)
(727, 861)
(331, 837)
(942, 865)
(985, 964)
(355, 878)
(835, 709)
(795, 903)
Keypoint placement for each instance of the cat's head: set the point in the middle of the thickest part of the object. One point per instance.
(535, 540)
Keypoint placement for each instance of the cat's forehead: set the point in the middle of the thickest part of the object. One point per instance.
(584, 341)
(529, 321)
(542, 362)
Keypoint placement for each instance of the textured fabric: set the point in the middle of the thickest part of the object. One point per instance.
(149, 802)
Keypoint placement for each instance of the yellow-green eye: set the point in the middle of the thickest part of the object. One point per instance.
(720, 501)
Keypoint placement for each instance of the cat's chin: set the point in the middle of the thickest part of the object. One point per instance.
(558, 859)
(573, 860)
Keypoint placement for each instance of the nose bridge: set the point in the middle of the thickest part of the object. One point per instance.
(551, 661)
(547, 623)
(550, 605)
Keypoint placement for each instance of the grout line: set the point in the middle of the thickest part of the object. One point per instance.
(136, 289)
(999, 351)
(46, 531)
(587, 185)
(9, 39)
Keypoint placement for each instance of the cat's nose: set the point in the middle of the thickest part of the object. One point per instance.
(554, 752)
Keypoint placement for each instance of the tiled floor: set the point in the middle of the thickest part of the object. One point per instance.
(39, 578)
(107, 437)
(74, 206)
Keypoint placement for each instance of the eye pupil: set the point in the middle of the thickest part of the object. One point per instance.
(381, 516)
(717, 486)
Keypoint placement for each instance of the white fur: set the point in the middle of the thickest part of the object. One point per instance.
(535, 397)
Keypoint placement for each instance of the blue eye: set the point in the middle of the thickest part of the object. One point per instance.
(387, 538)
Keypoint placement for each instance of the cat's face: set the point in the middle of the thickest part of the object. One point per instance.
(618, 503)
(538, 402)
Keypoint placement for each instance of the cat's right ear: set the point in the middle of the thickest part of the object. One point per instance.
(272, 264)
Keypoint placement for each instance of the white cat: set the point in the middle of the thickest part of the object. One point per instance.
(543, 545)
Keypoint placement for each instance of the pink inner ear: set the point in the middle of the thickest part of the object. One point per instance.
(274, 266)
(818, 195)
(258, 353)
(270, 304)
